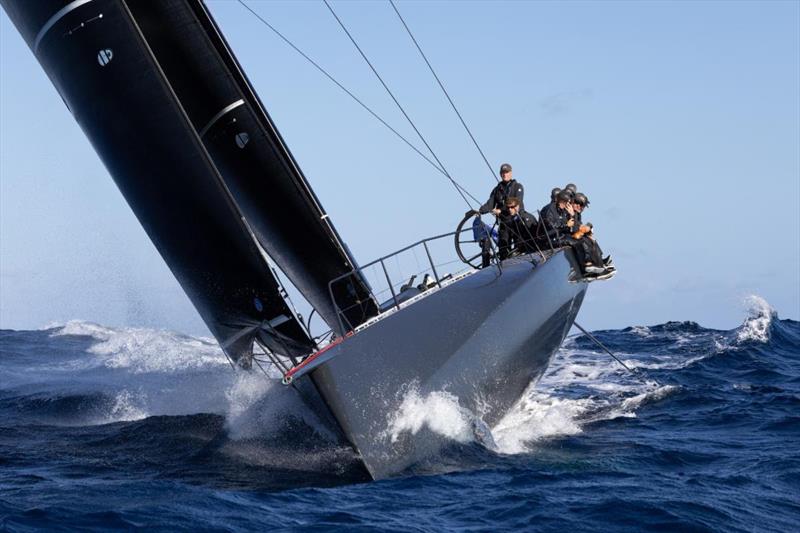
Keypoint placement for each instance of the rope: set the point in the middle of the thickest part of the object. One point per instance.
(617, 359)
(441, 85)
(458, 187)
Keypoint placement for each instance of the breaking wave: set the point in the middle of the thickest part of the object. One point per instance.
(145, 350)
(757, 326)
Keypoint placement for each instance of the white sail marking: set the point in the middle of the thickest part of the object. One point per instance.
(219, 115)
(54, 19)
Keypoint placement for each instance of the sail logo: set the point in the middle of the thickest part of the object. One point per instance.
(242, 139)
(104, 57)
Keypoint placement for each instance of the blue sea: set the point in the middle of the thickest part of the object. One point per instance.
(105, 428)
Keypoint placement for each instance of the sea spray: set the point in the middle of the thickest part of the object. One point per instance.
(127, 406)
(756, 327)
(144, 350)
(537, 416)
(438, 411)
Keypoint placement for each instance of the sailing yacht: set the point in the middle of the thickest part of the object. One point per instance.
(166, 105)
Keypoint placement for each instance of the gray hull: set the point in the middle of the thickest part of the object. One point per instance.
(483, 339)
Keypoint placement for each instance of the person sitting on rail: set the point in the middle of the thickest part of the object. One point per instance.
(553, 194)
(585, 245)
(522, 227)
(496, 204)
(556, 221)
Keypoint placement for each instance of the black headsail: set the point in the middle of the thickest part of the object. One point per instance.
(101, 63)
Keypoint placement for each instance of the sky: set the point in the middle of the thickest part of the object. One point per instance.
(679, 120)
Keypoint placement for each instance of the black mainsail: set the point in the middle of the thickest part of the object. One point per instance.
(162, 99)
(254, 161)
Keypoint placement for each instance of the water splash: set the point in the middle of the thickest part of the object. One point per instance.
(536, 416)
(246, 391)
(127, 407)
(146, 350)
(756, 327)
(438, 411)
(579, 388)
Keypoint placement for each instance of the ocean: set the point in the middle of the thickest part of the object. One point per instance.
(105, 428)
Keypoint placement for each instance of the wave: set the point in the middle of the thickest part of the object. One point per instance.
(145, 350)
(127, 374)
(78, 409)
(758, 325)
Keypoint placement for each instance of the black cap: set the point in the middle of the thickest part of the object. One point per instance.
(554, 193)
(581, 199)
(571, 187)
(505, 167)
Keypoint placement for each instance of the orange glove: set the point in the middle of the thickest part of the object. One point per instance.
(583, 230)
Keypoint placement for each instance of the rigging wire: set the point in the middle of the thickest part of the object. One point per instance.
(462, 191)
(609, 352)
(351, 94)
(458, 187)
(441, 85)
(460, 117)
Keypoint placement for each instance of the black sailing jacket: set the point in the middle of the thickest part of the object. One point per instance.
(523, 228)
(553, 224)
(498, 196)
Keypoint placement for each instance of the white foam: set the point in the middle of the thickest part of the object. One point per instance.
(756, 326)
(673, 363)
(438, 411)
(257, 406)
(147, 350)
(246, 390)
(555, 408)
(536, 416)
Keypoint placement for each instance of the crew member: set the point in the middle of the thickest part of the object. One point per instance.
(585, 245)
(556, 221)
(496, 204)
(572, 189)
(522, 227)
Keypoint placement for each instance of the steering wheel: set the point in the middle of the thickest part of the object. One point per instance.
(466, 244)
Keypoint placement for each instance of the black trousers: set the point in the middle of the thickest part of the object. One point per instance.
(486, 252)
(503, 240)
(588, 251)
